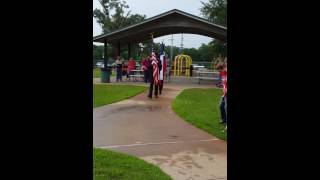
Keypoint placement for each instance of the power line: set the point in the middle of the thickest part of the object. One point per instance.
(171, 53)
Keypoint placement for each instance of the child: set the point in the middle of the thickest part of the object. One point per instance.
(223, 103)
(219, 65)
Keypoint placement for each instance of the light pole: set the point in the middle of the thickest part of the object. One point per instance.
(171, 54)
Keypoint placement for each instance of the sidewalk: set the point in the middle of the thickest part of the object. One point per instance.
(149, 129)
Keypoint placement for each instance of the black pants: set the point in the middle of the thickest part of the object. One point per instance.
(119, 74)
(156, 87)
(160, 86)
(146, 76)
(223, 109)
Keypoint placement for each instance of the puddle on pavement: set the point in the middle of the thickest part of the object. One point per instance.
(173, 136)
(142, 108)
(191, 165)
(152, 108)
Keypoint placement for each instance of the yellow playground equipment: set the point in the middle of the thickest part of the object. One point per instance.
(182, 65)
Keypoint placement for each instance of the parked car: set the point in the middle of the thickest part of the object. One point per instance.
(100, 64)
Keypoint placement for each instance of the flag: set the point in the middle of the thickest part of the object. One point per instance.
(155, 68)
(161, 49)
(162, 59)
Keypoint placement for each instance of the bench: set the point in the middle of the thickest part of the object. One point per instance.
(137, 74)
(207, 75)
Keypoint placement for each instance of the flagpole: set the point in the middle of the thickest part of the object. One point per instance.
(151, 42)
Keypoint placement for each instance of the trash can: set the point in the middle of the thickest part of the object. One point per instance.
(105, 74)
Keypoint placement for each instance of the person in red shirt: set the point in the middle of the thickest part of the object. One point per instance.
(219, 65)
(131, 66)
(223, 102)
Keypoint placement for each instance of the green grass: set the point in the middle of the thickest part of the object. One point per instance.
(97, 73)
(116, 166)
(200, 107)
(107, 94)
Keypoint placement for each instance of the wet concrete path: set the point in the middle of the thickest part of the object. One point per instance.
(149, 129)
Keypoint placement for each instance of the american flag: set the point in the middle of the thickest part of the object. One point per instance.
(162, 59)
(155, 68)
(161, 49)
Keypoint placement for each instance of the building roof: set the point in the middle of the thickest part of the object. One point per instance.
(171, 22)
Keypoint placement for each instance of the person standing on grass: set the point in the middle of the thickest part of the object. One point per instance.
(223, 102)
(154, 69)
(119, 69)
(219, 64)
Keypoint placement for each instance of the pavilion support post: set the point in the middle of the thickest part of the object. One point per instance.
(105, 71)
(138, 50)
(129, 50)
(118, 48)
(105, 53)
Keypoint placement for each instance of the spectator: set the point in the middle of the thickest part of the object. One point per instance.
(119, 64)
(219, 66)
(131, 66)
(223, 103)
(144, 68)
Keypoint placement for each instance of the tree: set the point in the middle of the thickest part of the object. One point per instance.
(218, 47)
(215, 11)
(117, 20)
(206, 53)
(97, 53)
(193, 53)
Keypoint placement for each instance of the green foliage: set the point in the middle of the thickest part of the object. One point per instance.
(215, 11)
(107, 94)
(97, 53)
(112, 165)
(97, 73)
(111, 22)
(119, 19)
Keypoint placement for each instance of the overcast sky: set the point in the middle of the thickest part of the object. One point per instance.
(152, 8)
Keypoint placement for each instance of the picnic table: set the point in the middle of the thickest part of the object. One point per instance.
(137, 74)
(207, 75)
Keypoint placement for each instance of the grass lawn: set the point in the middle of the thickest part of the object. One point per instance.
(97, 73)
(107, 94)
(200, 107)
(115, 166)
